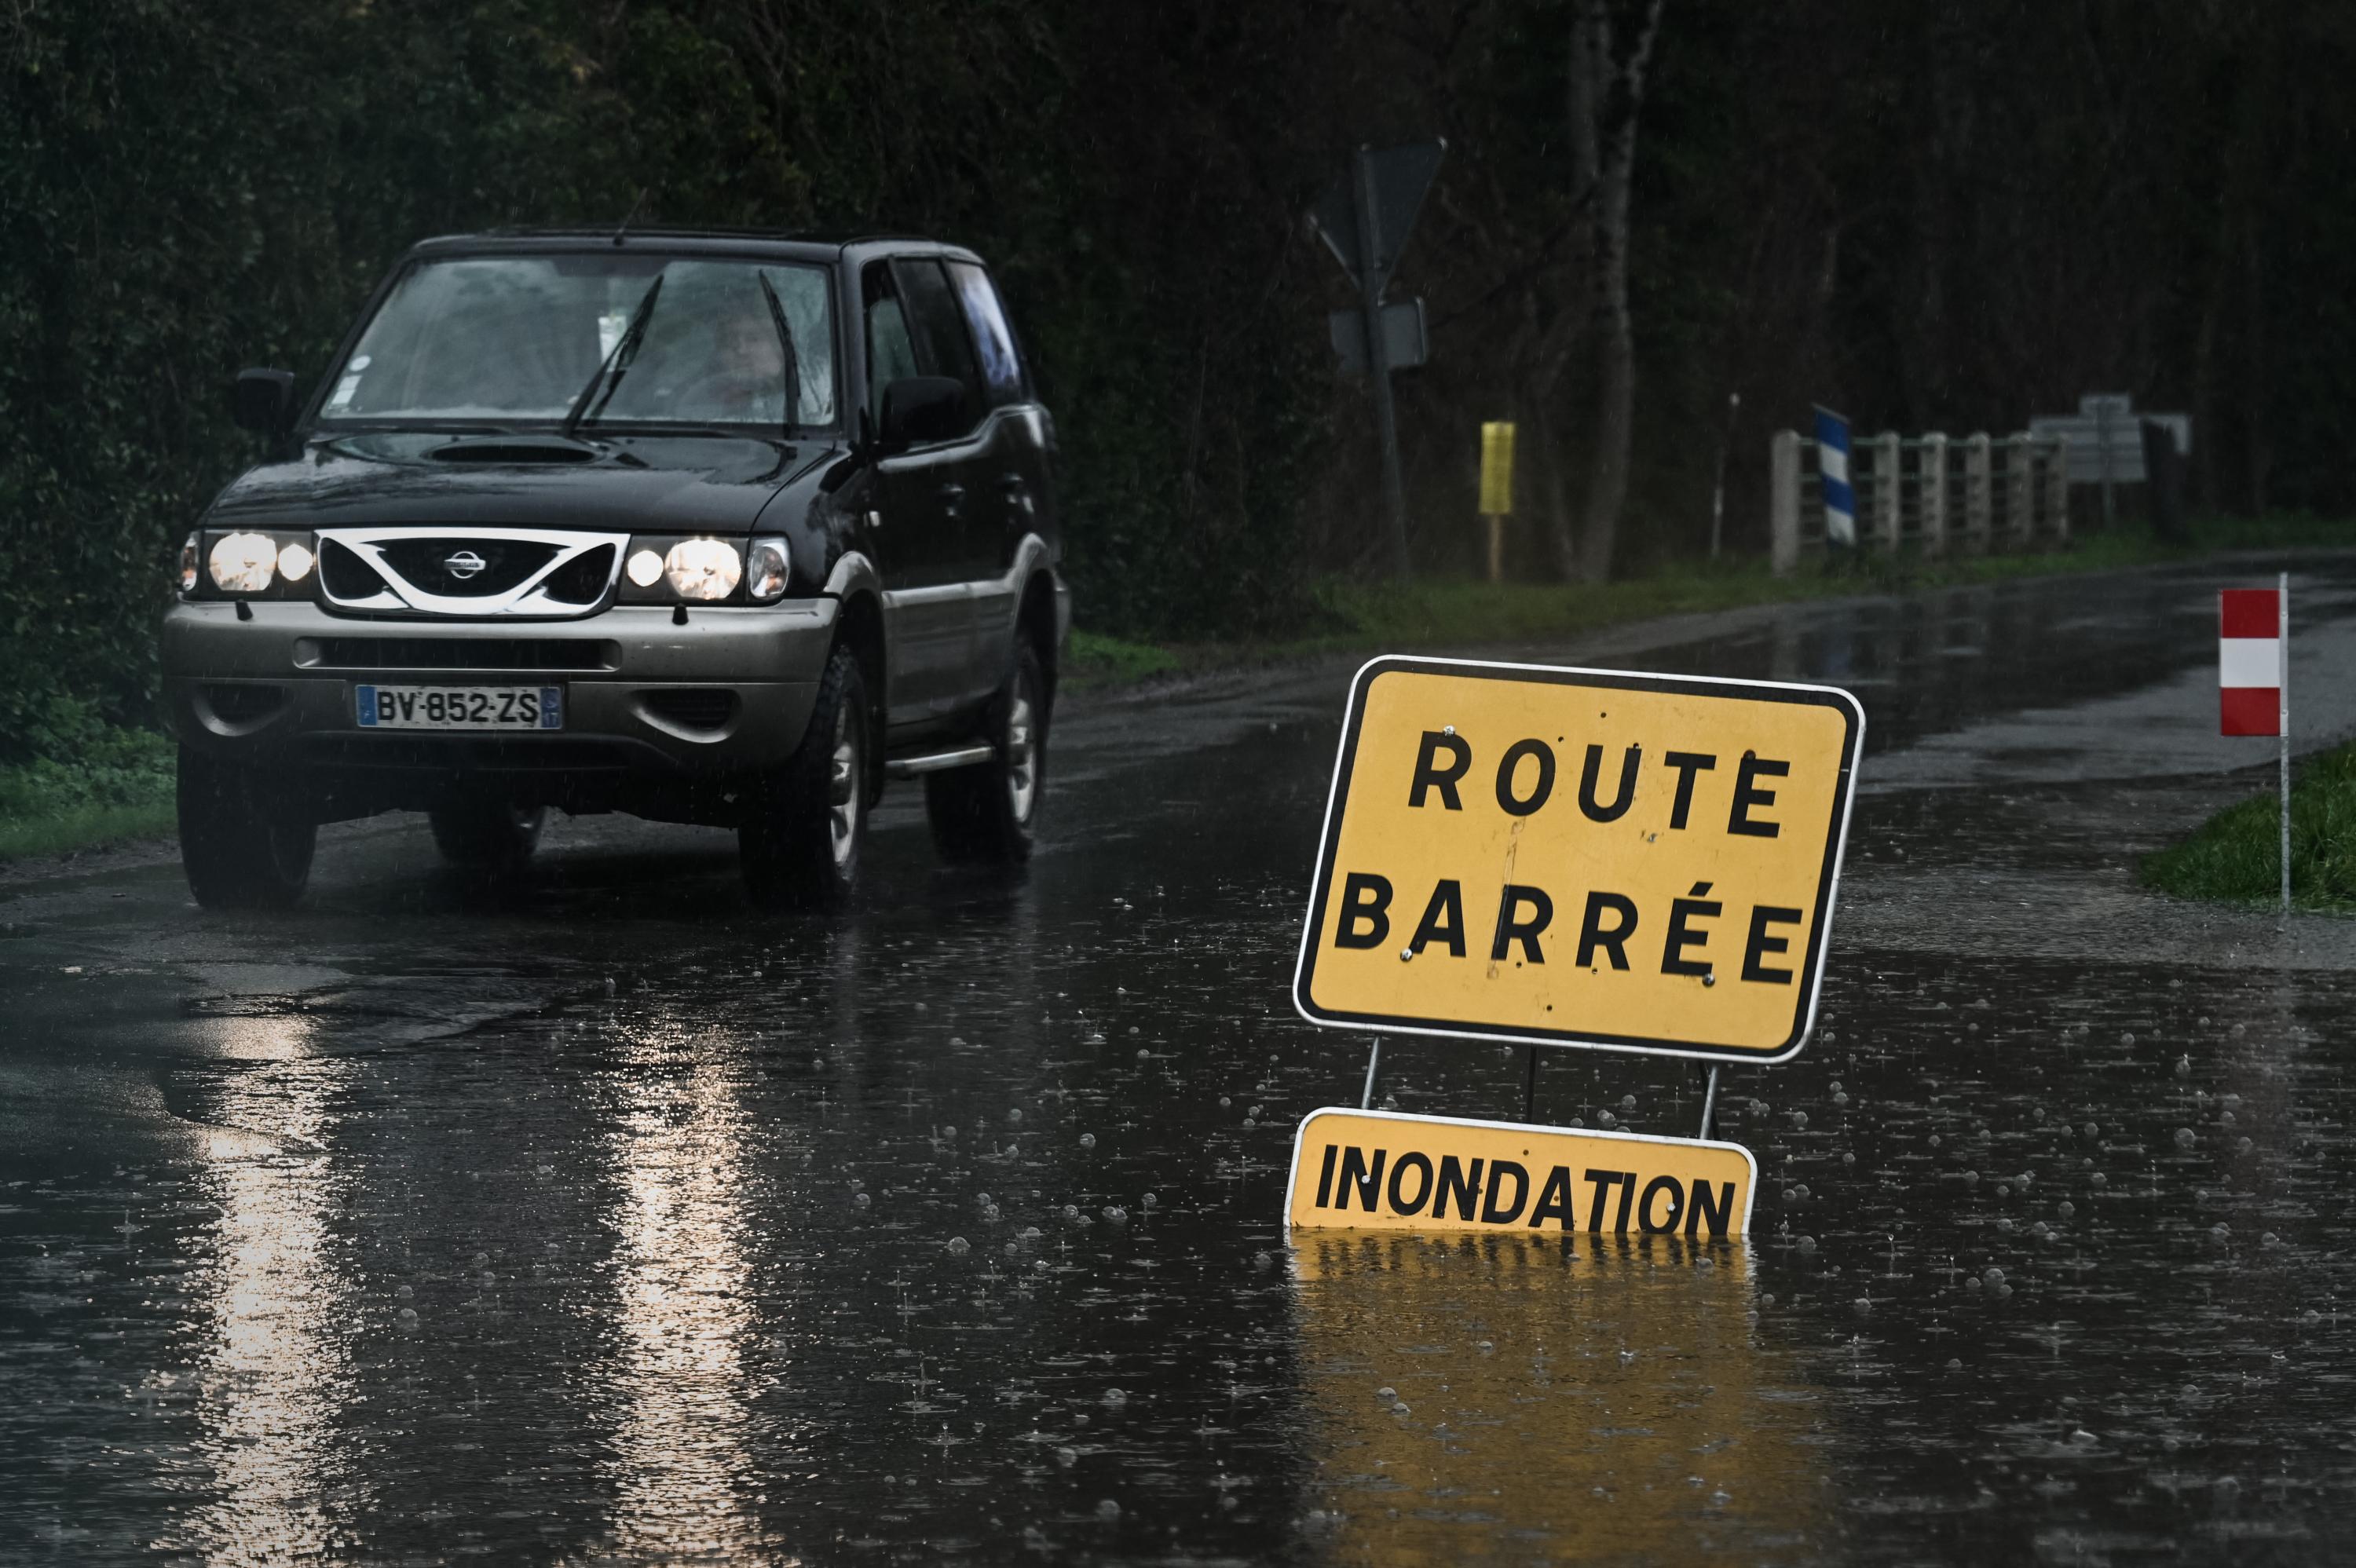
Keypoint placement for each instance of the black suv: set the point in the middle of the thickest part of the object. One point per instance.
(706, 527)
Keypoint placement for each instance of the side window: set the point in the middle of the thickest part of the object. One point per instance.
(1001, 367)
(890, 353)
(938, 326)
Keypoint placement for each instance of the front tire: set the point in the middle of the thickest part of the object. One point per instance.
(244, 843)
(986, 815)
(801, 845)
(487, 835)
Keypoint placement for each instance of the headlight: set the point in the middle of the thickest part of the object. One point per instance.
(644, 567)
(703, 568)
(769, 569)
(294, 562)
(244, 563)
(192, 551)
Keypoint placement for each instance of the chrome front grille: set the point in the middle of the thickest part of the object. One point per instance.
(516, 573)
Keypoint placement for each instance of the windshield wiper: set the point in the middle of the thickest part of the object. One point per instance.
(618, 361)
(785, 344)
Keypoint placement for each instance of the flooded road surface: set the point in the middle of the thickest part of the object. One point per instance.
(596, 1219)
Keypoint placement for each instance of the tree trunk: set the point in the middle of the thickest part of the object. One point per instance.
(1587, 87)
(1615, 346)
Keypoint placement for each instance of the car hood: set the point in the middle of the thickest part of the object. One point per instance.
(656, 484)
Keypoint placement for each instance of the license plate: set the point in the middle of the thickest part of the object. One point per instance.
(459, 707)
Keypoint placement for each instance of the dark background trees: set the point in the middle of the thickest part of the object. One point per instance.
(1941, 216)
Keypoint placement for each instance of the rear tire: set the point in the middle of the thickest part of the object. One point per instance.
(800, 847)
(986, 815)
(487, 835)
(245, 840)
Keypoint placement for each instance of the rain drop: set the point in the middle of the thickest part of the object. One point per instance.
(959, 1246)
(1087, 1140)
(2185, 1138)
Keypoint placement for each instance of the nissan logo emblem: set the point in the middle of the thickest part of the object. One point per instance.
(463, 564)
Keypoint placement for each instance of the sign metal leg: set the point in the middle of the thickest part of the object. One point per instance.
(1530, 1088)
(1709, 1102)
(1373, 1059)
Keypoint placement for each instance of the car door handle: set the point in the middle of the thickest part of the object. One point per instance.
(953, 499)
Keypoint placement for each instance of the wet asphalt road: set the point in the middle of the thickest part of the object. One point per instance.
(595, 1218)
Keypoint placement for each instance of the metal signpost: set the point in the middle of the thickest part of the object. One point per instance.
(1567, 858)
(1364, 221)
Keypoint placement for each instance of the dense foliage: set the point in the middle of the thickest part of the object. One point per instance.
(1944, 216)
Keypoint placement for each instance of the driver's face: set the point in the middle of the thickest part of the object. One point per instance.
(745, 348)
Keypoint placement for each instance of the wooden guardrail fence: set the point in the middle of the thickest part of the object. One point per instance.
(1935, 494)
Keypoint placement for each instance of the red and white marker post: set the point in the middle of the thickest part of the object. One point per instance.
(2254, 680)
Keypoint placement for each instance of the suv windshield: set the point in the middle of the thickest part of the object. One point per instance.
(506, 338)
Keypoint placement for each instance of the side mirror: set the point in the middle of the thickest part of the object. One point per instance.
(264, 402)
(919, 409)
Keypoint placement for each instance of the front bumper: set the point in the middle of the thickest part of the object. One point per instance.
(278, 689)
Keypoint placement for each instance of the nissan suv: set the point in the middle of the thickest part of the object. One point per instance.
(705, 527)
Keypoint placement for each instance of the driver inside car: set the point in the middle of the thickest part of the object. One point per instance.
(744, 376)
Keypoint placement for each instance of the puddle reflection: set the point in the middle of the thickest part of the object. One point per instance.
(1511, 1398)
(276, 1375)
(684, 1481)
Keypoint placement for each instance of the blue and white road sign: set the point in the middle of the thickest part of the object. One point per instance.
(1832, 467)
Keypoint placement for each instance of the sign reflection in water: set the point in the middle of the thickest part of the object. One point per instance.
(1555, 1398)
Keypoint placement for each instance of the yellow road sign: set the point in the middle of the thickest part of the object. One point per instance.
(1497, 468)
(1584, 858)
(1380, 1170)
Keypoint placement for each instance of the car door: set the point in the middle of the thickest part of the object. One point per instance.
(1015, 498)
(928, 608)
(964, 471)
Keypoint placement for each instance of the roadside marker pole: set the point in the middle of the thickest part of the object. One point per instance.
(2282, 644)
(2253, 682)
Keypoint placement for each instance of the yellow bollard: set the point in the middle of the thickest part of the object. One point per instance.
(1496, 489)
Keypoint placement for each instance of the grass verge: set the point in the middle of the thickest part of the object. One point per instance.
(2235, 856)
(116, 784)
(1455, 613)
